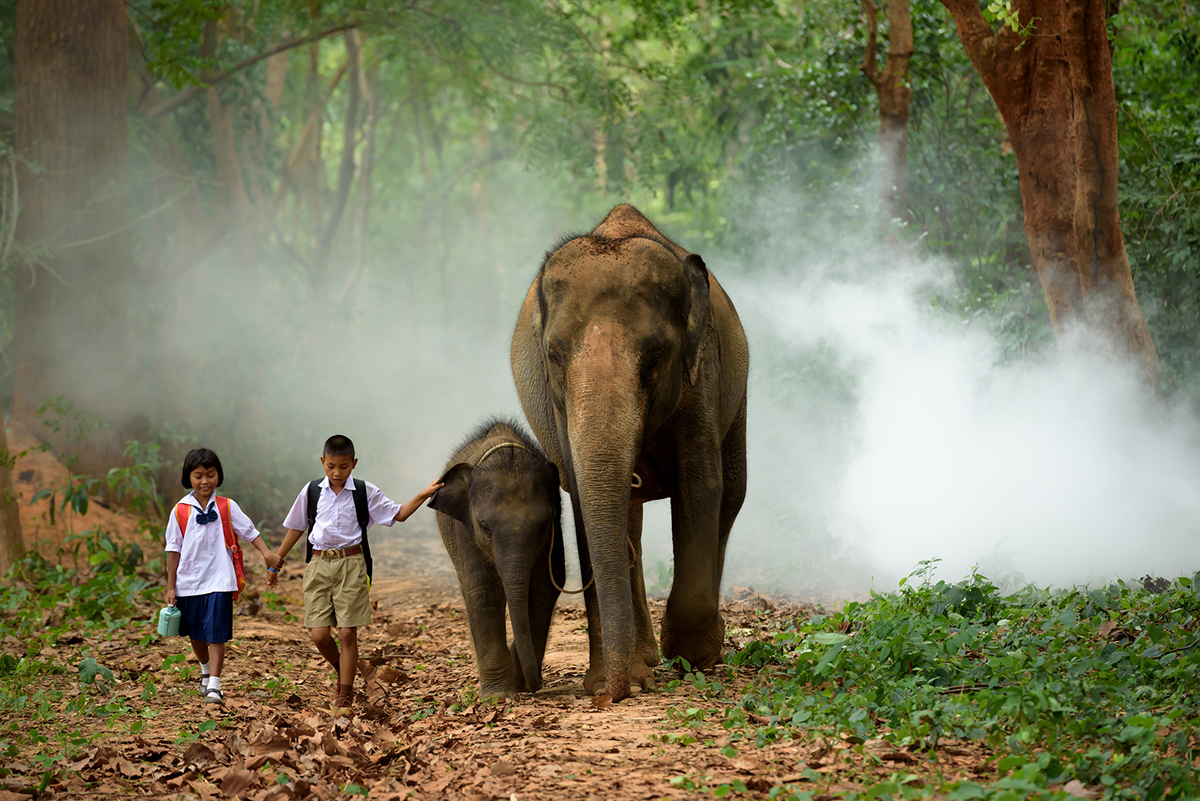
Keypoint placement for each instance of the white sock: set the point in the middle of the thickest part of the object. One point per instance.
(204, 671)
(214, 682)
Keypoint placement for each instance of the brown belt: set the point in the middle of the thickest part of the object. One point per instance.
(338, 553)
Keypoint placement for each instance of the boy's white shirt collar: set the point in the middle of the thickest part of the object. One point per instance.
(190, 499)
(349, 482)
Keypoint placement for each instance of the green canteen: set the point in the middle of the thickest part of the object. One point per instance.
(168, 621)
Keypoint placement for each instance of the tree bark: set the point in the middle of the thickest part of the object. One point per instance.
(74, 332)
(12, 544)
(895, 97)
(1053, 86)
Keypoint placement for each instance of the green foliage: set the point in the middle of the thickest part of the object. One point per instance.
(1087, 684)
(1156, 69)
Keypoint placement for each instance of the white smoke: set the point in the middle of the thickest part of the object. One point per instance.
(910, 440)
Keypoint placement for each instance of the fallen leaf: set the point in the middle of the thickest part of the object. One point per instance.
(503, 768)
(198, 752)
(236, 781)
(601, 702)
(1079, 789)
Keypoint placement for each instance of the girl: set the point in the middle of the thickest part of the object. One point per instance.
(201, 579)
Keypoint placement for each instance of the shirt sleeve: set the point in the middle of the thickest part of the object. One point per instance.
(381, 509)
(174, 535)
(243, 526)
(297, 518)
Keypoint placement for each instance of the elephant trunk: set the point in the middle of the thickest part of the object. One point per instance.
(515, 571)
(605, 435)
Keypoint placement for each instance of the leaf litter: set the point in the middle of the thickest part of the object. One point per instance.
(417, 730)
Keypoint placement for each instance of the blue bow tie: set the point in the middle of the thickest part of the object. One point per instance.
(204, 518)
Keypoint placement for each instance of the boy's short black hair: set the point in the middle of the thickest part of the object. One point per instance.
(339, 445)
(201, 457)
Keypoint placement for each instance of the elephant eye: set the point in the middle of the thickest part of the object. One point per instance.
(486, 529)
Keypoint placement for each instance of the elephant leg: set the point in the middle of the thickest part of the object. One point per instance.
(692, 626)
(647, 646)
(733, 484)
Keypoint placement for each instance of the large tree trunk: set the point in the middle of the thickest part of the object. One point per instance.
(74, 332)
(1054, 90)
(71, 124)
(895, 97)
(12, 545)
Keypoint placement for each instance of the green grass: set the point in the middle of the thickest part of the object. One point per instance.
(1098, 686)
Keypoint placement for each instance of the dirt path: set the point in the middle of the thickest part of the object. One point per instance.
(417, 732)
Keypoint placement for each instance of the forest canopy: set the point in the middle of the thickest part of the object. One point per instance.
(308, 169)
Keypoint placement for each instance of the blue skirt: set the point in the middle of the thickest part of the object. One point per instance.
(207, 618)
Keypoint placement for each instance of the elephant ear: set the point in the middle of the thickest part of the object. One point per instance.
(697, 317)
(453, 499)
(536, 312)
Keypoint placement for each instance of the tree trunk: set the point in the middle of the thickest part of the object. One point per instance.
(12, 545)
(1054, 90)
(895, 96)
(74, 332)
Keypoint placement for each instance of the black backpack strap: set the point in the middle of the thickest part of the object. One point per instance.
(314, 495)
(364, 520)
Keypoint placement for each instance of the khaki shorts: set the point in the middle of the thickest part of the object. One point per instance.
(336, 593)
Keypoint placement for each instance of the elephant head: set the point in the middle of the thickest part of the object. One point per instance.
(620, 326)
(509, 503)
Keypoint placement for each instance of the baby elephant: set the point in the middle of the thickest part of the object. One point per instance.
(499, 517)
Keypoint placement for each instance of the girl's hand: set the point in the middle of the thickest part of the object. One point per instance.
(273, 560)
(171, 597)
(272, 580)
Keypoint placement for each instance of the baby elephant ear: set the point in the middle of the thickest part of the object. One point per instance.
(453, 499)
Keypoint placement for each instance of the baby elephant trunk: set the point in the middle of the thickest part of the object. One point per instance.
(515, 571)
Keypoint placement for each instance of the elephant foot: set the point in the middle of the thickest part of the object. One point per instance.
(702, 647)
(497, 692)
(649, 653)
(641, 677)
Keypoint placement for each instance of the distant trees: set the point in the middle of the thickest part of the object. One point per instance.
(894, 94)
(74, 322)
(12, 546)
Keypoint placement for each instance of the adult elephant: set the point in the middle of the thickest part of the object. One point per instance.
(630, 362)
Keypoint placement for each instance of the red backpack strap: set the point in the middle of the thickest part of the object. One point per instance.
(183, 511)
(226, 521)
(231, 543)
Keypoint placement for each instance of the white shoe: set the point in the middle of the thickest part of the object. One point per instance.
(214, 696)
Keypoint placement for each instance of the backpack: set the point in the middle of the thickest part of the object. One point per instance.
(360, 509)
(183, 512)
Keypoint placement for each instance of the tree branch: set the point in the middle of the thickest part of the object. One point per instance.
(192, 92)
(976, 34)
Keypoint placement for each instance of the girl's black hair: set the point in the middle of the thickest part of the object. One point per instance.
(201, 457)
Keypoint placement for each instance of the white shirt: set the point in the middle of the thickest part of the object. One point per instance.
(336, 525)
(205, 564)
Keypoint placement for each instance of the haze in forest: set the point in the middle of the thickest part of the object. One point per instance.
(882, 432)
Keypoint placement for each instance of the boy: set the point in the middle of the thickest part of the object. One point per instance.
(337, 578)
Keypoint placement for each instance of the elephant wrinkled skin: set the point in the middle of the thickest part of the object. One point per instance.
(499, 517)
(631, 363)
